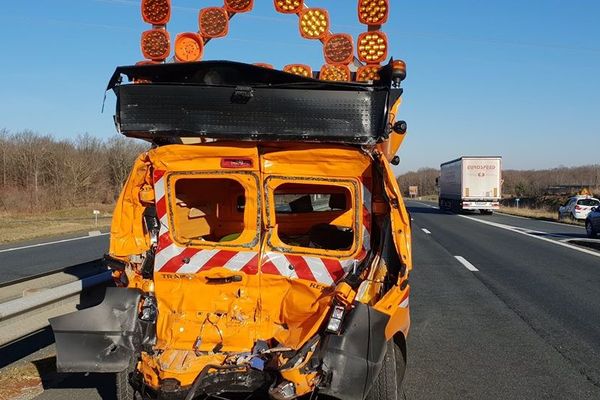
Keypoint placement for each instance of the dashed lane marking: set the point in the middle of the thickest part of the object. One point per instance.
(426, 231)
(426, 205)
(528, 232)
(467, 264)
(533, 234)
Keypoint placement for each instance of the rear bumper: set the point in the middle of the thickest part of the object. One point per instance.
(480, 205)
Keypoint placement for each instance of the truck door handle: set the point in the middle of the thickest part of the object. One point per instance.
(224, 279)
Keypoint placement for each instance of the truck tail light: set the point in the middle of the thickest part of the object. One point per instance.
(373, 12)
(338, 49)
(339, 73)
(289, 6)
(156, 44)
(213, 22)
(156, 12)
(298, 69)
(236, 163)
(372, 47)
(335, 320)
(367, 73)
(239, 6)
(314, 23)
(189, 46)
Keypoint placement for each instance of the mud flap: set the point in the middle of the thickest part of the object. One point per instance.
(101, 338)
(354, 358)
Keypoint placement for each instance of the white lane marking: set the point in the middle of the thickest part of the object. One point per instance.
(427, 205)
(467, 264)
(426, 231)
(49, 243)
(529, 232)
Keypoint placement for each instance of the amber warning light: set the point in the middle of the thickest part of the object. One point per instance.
(189, 46)
(156, 12)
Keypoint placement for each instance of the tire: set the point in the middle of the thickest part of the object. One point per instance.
(590, 230)
(388, 384)
(124, 388)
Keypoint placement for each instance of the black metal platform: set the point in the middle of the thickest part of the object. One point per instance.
(228, 100)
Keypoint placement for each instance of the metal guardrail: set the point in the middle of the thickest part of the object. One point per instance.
(29, 313)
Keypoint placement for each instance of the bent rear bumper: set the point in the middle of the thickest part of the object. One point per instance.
(353, 360)
(101, 338)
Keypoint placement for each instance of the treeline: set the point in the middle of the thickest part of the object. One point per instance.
(517, 183)
(42, 173)
(423, 178)
(532, 183)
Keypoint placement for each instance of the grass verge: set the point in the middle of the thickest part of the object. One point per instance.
(18, 227)
(536, 213)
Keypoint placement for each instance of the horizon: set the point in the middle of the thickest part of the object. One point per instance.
(482, 78)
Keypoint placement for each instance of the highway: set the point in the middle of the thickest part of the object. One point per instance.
(502, 308)
(35, 257)
(524, 325)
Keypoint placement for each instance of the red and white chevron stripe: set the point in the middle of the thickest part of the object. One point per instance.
(180, 259)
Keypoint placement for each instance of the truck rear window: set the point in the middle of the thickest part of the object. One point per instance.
(209, 210)
(314, 216)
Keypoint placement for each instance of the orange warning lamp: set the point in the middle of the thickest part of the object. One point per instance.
(239, 6)
(373, 12)
(314, 23)
(264, 65)
(156, 12)
(289, 6)
(338, 49)
(189, 46)
(299, 69)
(156, 44)
(213, 22)
(372, 47)
(398, 71)
(338, 73)
(367, 73)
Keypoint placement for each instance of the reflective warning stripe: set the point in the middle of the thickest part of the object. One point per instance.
(324, 270)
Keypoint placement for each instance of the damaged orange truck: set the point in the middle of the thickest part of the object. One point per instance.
(260, 246)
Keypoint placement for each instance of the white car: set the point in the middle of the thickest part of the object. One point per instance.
(577, 207)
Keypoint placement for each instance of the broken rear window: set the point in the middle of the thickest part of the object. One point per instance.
(213, 210)
(314, 216)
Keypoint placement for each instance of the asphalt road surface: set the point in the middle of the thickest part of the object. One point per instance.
(24, 259)
(518, 318)
(502, 308)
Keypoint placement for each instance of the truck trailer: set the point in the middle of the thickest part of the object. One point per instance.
(471, 183)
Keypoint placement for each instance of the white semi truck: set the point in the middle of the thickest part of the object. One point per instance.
(471, 183)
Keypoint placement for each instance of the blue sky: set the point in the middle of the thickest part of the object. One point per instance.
(516, 78)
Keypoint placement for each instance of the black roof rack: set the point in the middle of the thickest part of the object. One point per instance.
(230, 100)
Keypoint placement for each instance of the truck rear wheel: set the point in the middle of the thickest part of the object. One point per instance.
(124, 388)
(388, 384)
